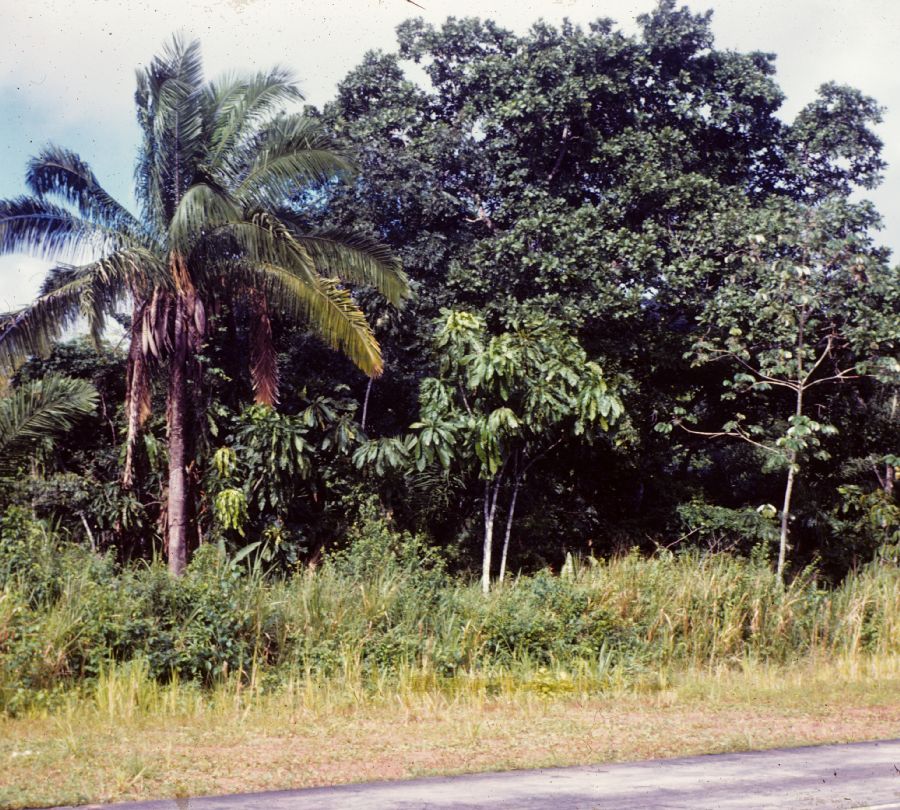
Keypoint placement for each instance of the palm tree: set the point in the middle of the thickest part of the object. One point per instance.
(217, 168)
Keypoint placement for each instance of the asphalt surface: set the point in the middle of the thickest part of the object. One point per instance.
(861, 775)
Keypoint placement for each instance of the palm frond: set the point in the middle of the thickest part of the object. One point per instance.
(201, 209)
(92, 290)
(37, 227)
(261, 239)
(326, 307)
(357, 259)
(170, 114)
(238, 107)
(286, 157)
(38, 411)
(153, 333)
(147, 188)
(64, 174)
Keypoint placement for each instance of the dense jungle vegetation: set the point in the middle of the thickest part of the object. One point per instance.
(578, 296)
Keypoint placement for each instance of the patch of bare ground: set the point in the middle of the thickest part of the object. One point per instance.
(75, 757)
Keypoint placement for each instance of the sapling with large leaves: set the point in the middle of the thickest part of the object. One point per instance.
(499, 406)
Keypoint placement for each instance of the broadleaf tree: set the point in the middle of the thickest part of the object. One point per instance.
(808, 304)
(600, 177)
(499, 406)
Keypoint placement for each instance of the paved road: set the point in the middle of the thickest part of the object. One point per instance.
(862, 775)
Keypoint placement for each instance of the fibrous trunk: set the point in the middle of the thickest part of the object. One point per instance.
(137, 394)
(177, 496)
(263, 359)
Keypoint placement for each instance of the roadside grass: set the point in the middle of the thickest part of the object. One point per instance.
(127, 737)
(120, 682)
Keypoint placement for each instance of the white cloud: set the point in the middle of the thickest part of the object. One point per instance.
(22, 277)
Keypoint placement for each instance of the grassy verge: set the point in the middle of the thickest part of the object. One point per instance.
(122, 682)
(127, 737)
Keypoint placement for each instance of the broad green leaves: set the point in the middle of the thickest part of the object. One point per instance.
(522, 391)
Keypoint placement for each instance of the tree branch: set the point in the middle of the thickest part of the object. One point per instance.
(733, 435)
(563, 148)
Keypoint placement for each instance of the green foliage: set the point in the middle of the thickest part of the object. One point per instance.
(719, 528)
(386, 603)
(547, 620)
(230, 508)
(614, 183)
(280, 477)
(521, 390)
(218, 170)
(375, 549)
(588, 219)
(872, 514)
(35, 413)
(77, 612)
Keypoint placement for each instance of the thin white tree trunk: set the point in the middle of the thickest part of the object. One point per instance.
(789, 485)
(491, 497)
(488, 539)
(87, 528)
(786, 516)
(365, 410)
(509, 523)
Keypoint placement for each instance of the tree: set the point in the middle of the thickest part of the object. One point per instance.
(280, 477)
(222, 175)
(808, 303)
(597, 177)
(501, 405)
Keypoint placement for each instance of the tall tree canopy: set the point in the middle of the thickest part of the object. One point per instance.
(577, 197)
(605, 180)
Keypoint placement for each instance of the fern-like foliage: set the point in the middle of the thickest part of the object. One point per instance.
(34, 415)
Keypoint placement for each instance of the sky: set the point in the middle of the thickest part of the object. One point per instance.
(67, 68)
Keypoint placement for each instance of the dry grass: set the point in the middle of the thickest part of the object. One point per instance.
(132, 739)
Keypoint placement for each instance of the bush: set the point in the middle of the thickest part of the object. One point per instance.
(386, 604)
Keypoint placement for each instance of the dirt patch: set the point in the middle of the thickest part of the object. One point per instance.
(49, 762)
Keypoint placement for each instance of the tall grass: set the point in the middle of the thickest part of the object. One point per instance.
(385, 618)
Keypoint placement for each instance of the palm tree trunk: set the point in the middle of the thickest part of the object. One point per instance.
(263, 358)
(177, 496)
(135, 398)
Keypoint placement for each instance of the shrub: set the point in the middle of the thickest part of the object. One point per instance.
(385, 604)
